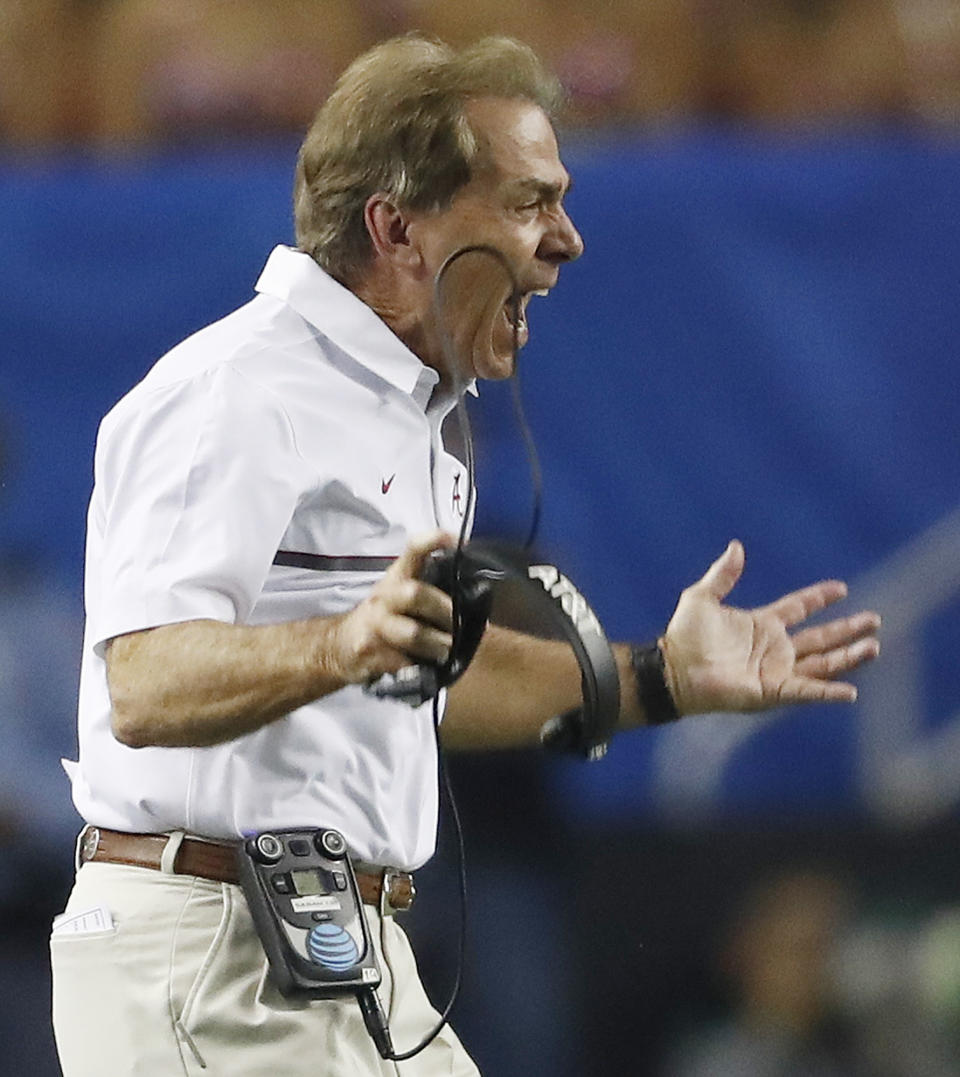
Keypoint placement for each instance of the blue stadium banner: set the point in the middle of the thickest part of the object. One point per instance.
(761, 341)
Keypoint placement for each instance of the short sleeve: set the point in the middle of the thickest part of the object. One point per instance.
(195, 485)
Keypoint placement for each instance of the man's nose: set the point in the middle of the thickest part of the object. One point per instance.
(563, 243)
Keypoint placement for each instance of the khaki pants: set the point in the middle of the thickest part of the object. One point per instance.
(169, 977)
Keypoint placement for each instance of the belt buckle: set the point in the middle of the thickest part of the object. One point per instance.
(387, 885)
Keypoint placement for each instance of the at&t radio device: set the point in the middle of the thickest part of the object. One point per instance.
(305, 904)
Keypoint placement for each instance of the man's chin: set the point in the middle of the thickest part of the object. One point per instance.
(494, 366)
(497, 360)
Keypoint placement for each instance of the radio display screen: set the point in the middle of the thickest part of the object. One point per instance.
(307, 882)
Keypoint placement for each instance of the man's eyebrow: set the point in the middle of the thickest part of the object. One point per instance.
(550, 192)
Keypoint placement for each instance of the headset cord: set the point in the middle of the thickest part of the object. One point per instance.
(447, 791)
(463, 417)
(368, 999)
(533, 457)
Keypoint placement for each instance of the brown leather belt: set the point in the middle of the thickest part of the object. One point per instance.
(218, 861)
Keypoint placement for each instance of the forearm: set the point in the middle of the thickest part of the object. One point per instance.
(713, 657)
(202, 682)
(515, 684)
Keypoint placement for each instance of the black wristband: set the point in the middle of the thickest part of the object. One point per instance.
(652, 690)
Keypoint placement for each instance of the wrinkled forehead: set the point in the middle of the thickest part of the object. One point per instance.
(517, 142)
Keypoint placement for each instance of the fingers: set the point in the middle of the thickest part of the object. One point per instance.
(378, 637)
(721, 577)
(827, 652)
(413, 638)
(810, 690)
(410, 563)
(838, 633)
(418, 618)
(402, 620)
(417, 601)
(799, 605)
(833, 649)
(839, 660)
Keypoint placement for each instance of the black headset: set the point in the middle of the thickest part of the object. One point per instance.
(471, 574)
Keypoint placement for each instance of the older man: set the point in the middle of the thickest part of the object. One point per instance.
(222, 686)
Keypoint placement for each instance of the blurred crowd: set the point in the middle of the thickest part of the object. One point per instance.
(129, 71)
(815, 980)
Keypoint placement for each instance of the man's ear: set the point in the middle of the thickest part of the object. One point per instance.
(388, 228)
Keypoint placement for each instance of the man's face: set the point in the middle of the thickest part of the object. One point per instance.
(515, 204)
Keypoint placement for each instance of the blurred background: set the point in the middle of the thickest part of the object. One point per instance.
(760, 342)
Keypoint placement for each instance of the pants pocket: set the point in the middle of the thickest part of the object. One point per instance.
(226, 1010)
(193, 955)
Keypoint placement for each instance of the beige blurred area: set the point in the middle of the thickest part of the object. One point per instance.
(42, 64)
(140, 71)
(821, 62)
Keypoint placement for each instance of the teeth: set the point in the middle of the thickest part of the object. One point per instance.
(521, 319)
(510, 308)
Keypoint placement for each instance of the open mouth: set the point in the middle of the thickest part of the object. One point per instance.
(515, 310)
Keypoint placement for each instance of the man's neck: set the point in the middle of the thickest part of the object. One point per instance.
(413, 327)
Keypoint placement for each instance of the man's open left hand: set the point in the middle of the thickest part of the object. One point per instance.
(721, 658)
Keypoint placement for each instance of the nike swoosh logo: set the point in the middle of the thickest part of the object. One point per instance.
(385, 484)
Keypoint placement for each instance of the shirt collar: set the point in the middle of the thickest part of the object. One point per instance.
(297, 280)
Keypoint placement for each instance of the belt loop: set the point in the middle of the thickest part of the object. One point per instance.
(386, 909)
(170, 850)
(87, 841)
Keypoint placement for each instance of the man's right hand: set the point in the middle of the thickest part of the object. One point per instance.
(401, 622)
(203, 682)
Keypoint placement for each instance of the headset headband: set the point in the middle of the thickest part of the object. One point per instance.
(554, 600)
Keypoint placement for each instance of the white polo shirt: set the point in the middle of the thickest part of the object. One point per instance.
(301, 423)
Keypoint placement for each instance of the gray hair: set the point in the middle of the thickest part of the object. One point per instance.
(395, 123)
